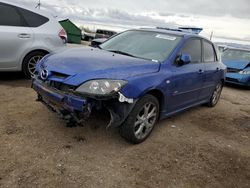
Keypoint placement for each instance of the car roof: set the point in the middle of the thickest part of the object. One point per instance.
(37, 11)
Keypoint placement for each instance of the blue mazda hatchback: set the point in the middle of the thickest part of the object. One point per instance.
(139, 76)
(238, 66)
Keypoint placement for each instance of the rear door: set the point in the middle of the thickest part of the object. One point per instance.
(15, 36)
(188, 79)
(212, 70)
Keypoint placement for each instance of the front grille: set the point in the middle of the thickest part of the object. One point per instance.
(53, 74)
(232, 70)
(58, 75)
(56, 84)
(60, 86)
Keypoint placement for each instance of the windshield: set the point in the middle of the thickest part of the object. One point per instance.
(232, 55)
(143, 44)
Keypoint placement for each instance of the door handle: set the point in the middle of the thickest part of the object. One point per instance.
(24, 36)
(201, 71)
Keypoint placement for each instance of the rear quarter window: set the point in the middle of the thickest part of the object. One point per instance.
(209, 54)
(33, 19)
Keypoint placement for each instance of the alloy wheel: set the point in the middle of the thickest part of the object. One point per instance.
(216, 94)
(145, 120)
(32, 63)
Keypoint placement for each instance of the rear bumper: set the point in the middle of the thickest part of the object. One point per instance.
(239, 79)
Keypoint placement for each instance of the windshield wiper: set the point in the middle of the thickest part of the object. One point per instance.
(122, 53)
(128, 54)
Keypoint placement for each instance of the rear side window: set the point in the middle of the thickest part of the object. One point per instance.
(209, 55)
(33, 19)
(193, 48)
(9, 16)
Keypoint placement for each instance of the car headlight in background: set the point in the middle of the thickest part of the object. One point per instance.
(245, 72)
(101, 87)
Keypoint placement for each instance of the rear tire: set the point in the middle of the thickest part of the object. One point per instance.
(30, 61)
(141, 120)
(216, 95)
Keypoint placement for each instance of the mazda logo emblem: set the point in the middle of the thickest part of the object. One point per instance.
(44, 74)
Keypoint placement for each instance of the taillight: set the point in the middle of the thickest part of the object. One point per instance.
(63, 35)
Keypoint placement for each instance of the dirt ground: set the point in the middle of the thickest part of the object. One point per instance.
(202, 147)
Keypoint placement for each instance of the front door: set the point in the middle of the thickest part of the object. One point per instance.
(187, 79)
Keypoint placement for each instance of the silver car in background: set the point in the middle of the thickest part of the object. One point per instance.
(27, 35)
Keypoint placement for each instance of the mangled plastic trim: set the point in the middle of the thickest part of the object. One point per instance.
(122, 98)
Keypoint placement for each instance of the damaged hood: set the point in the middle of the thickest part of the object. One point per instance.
(237, 64)
(82, 64)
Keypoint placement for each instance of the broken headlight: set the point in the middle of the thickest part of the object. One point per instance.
(101, 87)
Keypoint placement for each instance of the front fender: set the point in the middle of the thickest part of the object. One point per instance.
(139, 86)
(119, 112)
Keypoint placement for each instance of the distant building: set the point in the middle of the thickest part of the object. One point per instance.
(74, 33)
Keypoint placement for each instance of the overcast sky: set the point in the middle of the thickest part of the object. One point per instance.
(228, 19)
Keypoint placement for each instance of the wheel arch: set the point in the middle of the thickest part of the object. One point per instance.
(223, 81)
(35, 50)
(158, 94)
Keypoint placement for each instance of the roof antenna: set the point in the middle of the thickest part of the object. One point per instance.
(38, 5)
(211, 35)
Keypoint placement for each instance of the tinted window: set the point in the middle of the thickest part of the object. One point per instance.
(9, 16)
(193, 48)
(33, 19)
(208, 52)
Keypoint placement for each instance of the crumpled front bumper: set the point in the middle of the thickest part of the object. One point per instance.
(79, 108)
(239, 79)
(59, 99)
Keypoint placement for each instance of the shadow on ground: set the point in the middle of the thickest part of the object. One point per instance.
(235, 86)
(14, 79)
(8, 76)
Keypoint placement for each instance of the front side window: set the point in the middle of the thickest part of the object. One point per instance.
(193, 48)
(209, 55)
(9, 16)
(143, 44)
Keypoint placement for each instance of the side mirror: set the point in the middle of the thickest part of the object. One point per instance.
(183, 59)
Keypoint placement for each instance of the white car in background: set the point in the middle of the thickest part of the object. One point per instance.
(26, 36)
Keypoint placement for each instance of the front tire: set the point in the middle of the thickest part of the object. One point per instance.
(30, 61)
(216, 95)
(141, 121)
